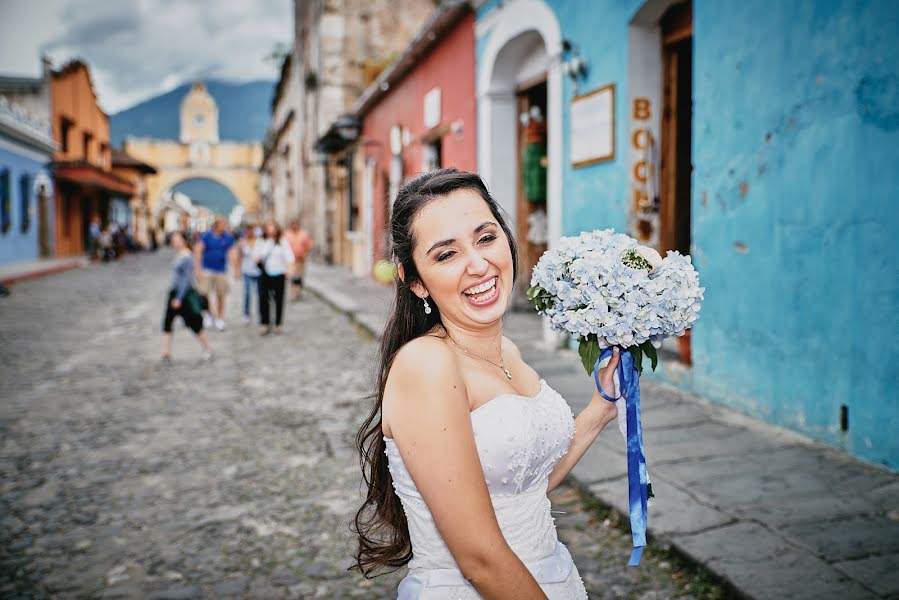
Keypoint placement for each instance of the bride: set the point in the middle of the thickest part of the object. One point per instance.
(464, 440)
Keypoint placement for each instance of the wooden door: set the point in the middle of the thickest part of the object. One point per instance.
(676, 137)
(528, 253)
(676, 144)
(42, 225)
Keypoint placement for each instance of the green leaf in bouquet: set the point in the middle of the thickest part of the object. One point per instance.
(650, 351)
(541, 298)
(588, 349)
(637, 353)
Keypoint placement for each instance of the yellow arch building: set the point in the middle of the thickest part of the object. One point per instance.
(200, 154)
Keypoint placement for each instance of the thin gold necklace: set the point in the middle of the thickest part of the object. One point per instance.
(501, 364)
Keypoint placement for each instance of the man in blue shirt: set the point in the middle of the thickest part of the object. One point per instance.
(213, 252)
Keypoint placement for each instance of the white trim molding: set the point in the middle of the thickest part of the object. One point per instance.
(496, 105)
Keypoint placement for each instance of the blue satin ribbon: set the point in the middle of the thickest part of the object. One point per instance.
(637, 479)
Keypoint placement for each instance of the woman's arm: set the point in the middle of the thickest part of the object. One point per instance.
(258, 250)
(593, 419)
(198, 255)
(426, 412)
(587, 425)
(234, 255)
(184, 273)
(289, 257)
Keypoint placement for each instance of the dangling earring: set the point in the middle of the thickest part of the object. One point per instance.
(427, 306)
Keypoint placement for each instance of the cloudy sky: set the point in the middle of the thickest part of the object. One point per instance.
(138, 48)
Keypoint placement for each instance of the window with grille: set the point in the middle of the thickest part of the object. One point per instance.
(65, 126)
(25, 201)
(5, 200)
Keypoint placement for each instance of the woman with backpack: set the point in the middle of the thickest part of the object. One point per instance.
(183, 299)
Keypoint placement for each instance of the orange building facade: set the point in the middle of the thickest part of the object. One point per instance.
(136, 171)
(82, 167)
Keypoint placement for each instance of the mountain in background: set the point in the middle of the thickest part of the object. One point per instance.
(244, 113)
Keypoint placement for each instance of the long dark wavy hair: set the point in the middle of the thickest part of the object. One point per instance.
(380, 523)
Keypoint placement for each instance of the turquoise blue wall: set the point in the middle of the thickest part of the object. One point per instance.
(799, 102)
(16, 245)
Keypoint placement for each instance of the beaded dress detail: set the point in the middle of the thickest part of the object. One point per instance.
(520, 439)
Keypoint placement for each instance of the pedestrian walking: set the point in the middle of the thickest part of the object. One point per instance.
(249, 270)
(300, 243)
(106, 245)
(94, 234)
(118, 240)
(212, 255)
(183, 299)
(464, 440)
(274, 257)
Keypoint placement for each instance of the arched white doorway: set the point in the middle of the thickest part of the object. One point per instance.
(525, 41)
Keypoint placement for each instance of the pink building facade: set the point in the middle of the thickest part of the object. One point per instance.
(420, 114)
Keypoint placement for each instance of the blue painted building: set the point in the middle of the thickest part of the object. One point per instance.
(26, 190)
(760, 137)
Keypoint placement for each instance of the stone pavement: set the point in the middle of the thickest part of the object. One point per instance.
(121, 477)
(768, 511)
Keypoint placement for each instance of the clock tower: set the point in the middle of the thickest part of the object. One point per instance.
(199, 116)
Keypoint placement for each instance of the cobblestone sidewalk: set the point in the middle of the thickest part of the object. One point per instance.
(235, 478)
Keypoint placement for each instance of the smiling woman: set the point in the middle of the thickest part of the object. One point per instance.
(457, 493)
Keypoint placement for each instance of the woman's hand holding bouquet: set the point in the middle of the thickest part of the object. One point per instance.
(611, 293)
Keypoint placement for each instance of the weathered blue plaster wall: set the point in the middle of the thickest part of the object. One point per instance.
(795, 154)
(16, 246)
(795, 229)
(595, 196)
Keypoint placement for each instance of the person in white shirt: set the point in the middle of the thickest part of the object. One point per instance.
(273, 256)
(249, 270)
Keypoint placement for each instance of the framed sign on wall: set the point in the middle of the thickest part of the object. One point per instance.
(592, 124)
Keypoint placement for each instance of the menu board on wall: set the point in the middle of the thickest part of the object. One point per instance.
(592, 123)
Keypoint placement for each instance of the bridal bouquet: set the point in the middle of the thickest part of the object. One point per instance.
(607, 290)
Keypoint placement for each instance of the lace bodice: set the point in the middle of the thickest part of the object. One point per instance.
(519, 440)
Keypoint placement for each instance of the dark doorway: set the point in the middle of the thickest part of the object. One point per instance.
(530, 206)
(88, 210)
(43, 225)
(676, 150)
(677, 116)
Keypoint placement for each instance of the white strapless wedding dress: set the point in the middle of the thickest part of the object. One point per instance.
(520, 439)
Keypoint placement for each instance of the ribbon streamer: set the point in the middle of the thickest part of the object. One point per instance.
(637, 479)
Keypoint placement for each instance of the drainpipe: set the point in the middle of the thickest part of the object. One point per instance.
(348, 163)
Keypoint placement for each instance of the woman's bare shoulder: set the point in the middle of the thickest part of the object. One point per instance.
(426, 358)
(511, 347)
(425, 372)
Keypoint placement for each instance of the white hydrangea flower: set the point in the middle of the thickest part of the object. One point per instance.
(592, 292)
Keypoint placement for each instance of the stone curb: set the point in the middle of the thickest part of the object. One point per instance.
(75, 263)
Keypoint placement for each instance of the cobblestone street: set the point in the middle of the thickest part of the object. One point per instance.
(124, 478)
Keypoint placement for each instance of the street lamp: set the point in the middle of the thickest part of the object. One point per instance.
(574, 65)
(348, 127)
